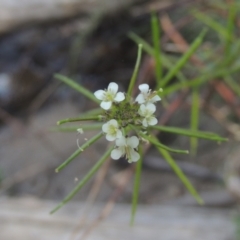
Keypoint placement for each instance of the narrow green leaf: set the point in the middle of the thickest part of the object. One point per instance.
(200, 80)
(81, 149)
(184, 59)
(148, 49)
(190, 133)
(230, 28)
(90, 118)
(155, 142)
(146, 46)
(136, 69)
(136, 186)
(157, 50)
(219, 28)
(87, 177)
(76, 87)
(194, 119)
(92, 112)
(180, 174)
(85, 127)
(232, 84)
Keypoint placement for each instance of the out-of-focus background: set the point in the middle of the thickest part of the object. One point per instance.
(89, 41)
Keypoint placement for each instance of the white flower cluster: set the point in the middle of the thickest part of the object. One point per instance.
(127, 146)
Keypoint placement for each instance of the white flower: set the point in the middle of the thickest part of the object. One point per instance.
(125, 146)
(110, 95)
(112, 130)
(146, 96)
(146, 111)
(80, 130)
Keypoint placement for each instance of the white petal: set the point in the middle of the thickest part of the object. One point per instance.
(151, 108)
(110, 137)
(113, 122)
(144, 88)
(80, 130)
(99, 94)
(133, 142)
(140, 98)
(134, 156)
(121, 141)
(119, 134)
(116, 153)
(119, 97)
(155, 99)
(142, 109)
(106, 105)
(144, 122)
(152, 121)
(113, 87)
(105, 127)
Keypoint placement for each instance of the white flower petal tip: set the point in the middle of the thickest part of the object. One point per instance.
(80, 130)
(106, 105)
(112, 130)
(146, 95)
(109, 96)
(126, 147)
(119, 97)
(146, 111)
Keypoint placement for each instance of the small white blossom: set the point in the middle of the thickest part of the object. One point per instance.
(112, 130)
(109, 96)
(146, 111)
(125, 146)
(146, 95)
(80, 130)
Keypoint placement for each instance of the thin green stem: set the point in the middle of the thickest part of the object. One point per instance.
(199, 80)
(136, 186)
(86, 127)
(93, 170)
(183, 60)
(155, 142)
(194, 119)
(180, 174)
(81, 149)
(233, 84)
(135, 72)
(189, 133)
(77, 87)
(157, 50)
(90, 118)
(230, 29)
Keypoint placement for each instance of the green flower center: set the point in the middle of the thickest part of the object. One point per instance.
(124, 112)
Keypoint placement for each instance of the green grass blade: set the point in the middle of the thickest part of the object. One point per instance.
(76, 87)
(81, 149)
(136, 186)
(230, 29)
(135, 71)
(196, 82)
(232, 84)
(85, 127)
(221, 30)
(155, 142)
(157, 50)
(184, 59)
(89, 175)
(180, 174)
(194, 121)
(190, 133)
(148, 49)
(146, 46)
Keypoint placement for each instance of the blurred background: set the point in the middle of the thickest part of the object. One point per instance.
(94, 43)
